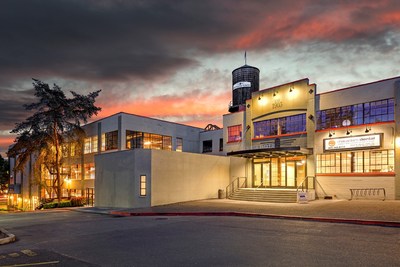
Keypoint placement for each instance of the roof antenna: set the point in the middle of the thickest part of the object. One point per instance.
(245, 58)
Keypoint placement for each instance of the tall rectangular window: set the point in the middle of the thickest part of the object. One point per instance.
(235, 133)
(207, 146)
(221, 144)
(111, 139)
(90, 145)
(143, 185)
(179, 144)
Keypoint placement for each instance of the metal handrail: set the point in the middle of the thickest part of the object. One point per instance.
(231, 187)
(306, 185)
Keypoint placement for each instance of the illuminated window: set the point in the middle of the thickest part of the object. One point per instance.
(235, 133)
(143, 185)
(278, 126)
(76, 172)
(90, 145)
(136, 139)
(179, 144)
(89, 170)
(356, 162)
(111, 140)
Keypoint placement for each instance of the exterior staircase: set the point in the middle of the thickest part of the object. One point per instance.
(265, 195)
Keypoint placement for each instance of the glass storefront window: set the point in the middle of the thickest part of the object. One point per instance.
(356, 162)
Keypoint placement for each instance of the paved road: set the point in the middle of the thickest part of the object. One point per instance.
(84, 239)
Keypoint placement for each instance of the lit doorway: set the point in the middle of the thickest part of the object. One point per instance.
(280, 172)
(262, 174)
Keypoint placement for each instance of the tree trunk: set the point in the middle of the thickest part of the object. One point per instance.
(58, 176)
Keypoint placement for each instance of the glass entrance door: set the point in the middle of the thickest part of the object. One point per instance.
(291, 173)
(262, 174)
(279, 172)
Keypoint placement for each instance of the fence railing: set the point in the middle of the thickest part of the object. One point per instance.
(306, 184)
(239, 182)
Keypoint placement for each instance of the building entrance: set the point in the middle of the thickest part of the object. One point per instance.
(283, 172)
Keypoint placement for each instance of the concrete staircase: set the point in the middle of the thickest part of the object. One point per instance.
(265, 195)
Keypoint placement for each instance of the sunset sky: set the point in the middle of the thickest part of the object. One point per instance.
(173, 59)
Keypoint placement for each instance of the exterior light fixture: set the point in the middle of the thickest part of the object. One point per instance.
(367, 129)
(331, 133)
(311, 91)
(348, 132)
(275, 93)
(259, 98)
(291, 88)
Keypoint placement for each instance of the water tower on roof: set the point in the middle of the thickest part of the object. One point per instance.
(245, 81)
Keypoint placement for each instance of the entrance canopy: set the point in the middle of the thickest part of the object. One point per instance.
(271, 152)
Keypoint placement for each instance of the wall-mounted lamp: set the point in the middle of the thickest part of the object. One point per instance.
(275, 93)
(348, 132)
(259, 98)
(291, 88)
(248, 106)
(331, 133)
(311, 91)
(310, 116)
(367, 129)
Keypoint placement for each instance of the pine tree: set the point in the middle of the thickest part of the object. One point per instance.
(57, 120)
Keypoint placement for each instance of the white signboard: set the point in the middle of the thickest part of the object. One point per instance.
(261, 146)
(241, 85)
(354, 142)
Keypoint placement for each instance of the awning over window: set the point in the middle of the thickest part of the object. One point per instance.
(271, 152)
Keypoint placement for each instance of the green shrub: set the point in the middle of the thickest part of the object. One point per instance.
(73, 202)
(77, 201)
(62, 204)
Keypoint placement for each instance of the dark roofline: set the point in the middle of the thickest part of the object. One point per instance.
(131, 114)
(288, 83)
(358, 85)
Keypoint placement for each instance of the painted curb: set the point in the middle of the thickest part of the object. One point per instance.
(267, 216)
(10, 237)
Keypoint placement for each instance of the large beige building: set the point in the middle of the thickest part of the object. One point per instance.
(330, 143)
(275, 144)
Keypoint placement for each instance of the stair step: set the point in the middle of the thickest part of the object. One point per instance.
(261, 195)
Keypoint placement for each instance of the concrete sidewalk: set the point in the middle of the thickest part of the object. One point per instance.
(371, 212)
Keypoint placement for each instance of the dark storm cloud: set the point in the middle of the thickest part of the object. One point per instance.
(121, 40)
(11, 107)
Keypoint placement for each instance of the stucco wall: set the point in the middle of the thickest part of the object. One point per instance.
(339, 186)
(171, 177)
(179, 177)
(117, 178)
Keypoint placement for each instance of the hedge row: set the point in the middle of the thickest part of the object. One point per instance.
(73, 202)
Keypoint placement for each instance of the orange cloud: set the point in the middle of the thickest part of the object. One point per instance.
(337, 23)
(196, 109)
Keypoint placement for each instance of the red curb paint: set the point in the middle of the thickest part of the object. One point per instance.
(257, 215)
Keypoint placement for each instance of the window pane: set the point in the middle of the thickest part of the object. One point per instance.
(235, 133)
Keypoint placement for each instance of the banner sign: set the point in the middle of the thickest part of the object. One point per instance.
(241, 85)
(353, 142)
